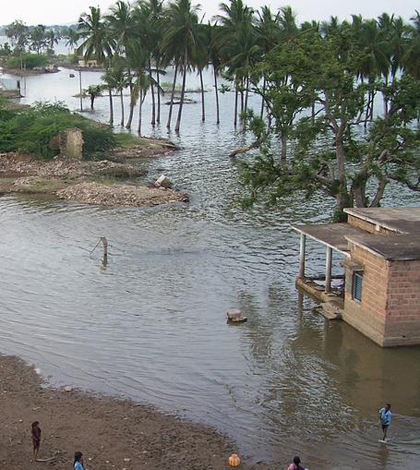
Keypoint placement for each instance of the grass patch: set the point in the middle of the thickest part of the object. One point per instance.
(126, 140)
(32, 129)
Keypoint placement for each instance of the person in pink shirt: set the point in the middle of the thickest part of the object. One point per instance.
(296, 464)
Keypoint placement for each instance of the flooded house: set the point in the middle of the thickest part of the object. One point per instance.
(379, 292)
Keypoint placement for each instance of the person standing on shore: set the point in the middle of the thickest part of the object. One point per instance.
(296, 464)
(36, 438)
(78, 461)
(385, 416)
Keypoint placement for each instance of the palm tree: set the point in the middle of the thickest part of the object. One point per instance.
(93, 91)
(411, 56)
(121, 25)
(268, 31)
(201, 58)
(116, 78)
(236, 41)
(97, 43)
(72, 37)
(374, 49)
(52, 38)
(287, 23)
(123, 30)
(181, 38)
(216, 62)
(149, 15)
(110, 79)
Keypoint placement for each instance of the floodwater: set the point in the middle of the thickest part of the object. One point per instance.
(150, 325)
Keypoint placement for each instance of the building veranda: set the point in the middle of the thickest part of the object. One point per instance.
(381, 272)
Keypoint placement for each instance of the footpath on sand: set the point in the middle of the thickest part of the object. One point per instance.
(111, 433)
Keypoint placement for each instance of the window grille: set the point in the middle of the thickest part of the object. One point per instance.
(357, 285)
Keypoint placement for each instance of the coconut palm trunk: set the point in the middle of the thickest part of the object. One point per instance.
(203, 107)
(132, 105)
(122, 107)
(217, 97)
(152, 89)
(168, 125)
(158, 93)
(111, 107)
(140, 110)
(181, 104)
(235, 117)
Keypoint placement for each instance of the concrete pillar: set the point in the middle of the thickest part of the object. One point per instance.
(302, 256)
(328, 270)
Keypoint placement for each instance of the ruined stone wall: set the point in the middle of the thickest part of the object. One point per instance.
(368, 226)
(368, 316)
(403, 309)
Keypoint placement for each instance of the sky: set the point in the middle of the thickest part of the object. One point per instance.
(67, 11)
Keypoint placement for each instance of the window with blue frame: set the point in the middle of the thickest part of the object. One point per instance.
(357, 285)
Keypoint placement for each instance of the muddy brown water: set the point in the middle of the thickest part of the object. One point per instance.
(151, 324)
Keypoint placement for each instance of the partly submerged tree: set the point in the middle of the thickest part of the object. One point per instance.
(182, 38)
(332, 152)
(93, 91)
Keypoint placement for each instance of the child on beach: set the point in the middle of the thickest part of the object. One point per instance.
(36, 438)
(78, 461)
(296, 464)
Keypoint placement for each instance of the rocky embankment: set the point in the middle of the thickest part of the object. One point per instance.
(93, 182)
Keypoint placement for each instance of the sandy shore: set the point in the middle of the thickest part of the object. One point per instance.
(110, 433)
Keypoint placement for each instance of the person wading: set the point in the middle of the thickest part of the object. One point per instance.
(385, 416)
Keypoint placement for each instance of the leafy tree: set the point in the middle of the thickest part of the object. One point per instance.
(331, 153)
(18, 33)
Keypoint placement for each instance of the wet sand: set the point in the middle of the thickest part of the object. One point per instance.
(111, 433)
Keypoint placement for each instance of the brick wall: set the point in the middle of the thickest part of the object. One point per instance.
(403, 309)
(368, 226)
(368, 316)
(389, 312)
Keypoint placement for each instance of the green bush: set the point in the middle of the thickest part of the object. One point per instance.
(31, 130)
(28, 60)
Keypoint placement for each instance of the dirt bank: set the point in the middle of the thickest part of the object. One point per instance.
(97, 182)
(120, 195)
(112, 434)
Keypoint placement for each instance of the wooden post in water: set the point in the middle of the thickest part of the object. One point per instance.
(105, 245)
(302, 256)
(328, 270)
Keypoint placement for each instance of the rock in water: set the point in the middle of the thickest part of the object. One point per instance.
(235, 316)
(163, 182)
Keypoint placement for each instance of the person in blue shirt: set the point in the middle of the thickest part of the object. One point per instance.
(78, 461)
(385, 416)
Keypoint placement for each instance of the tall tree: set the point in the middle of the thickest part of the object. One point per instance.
(96, 43)
(181, 37)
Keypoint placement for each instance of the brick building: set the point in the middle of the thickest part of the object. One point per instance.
(381, 272)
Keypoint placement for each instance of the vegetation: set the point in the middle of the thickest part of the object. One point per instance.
(31, 130)
(322, 89)
(345, 94)
(28, 61)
